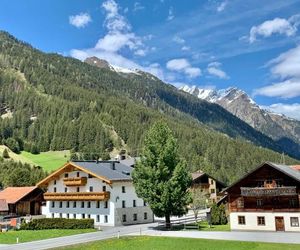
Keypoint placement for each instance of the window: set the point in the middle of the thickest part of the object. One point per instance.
(134, 217)
(74, 216)
(68, 204)
(98, 204)
(104, 188)
(98, 218)
(83, 216)
(260, 183)
(52, 215)
(294, 222)
(52, 203)
(82, 204)
(54, 182)
(78, 189)
(259, 202)
(106, 204)
(60, 215)
(293, 202)
(77, 174)
(212, 191)
(145, 204)
(66, 190)
(74, 204)
(105, 219)
(54, 190)
(240, 202)
(261, 221)
(134, 203)
(66, 175)
(123, 189)
(241, 220)
(90, 176)
(89, 216)
(211, 182)
(89, 204)
(68, 216)
(91, 189)
(145, 216)
(60, 204)
(123, 204)
(124, 218)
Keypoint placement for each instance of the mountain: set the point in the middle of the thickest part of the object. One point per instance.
(277, 126)
(57, 103)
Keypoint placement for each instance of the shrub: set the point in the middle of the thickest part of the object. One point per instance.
(5, 154)
(218, 215)
(58, 223)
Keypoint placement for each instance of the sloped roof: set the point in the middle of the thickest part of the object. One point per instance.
(104, 168)
(286, 169)
(13, 194)
(197, 174)
(3, 205)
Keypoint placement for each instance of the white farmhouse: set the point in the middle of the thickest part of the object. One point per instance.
(101, 190)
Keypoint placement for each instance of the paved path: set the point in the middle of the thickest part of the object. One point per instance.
(79, 238)
(275, 237)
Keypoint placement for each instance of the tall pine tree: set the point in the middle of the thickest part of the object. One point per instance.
(161, 177)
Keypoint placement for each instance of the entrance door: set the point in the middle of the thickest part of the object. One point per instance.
(279, 223)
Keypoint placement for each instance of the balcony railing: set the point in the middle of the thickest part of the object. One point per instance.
(262, 191)
(75, 181)
(83, 196)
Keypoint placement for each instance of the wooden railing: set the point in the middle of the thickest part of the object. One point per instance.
(263, 191)
(83, 196)
(75, 181)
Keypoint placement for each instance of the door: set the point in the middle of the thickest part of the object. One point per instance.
(279, 223)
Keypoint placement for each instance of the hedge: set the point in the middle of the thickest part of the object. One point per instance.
(57, 223)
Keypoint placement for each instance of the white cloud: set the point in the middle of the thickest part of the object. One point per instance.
(178, 39)
(286, 89)
(137, 6)
(214, 69)
(290, 110)
(183, 65)
(119, 37)
(81, 20)
(170, 14)
(286, 67)
(287, 27)
(185, 48)
(222, 6)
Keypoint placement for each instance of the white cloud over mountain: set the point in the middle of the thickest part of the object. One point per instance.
(81, 20)
(182, 65)
(214, 69)
(290, 110)
(287, 27)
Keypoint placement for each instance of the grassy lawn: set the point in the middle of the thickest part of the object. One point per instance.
(203, 226)
(28, 235)
(165, 243)
(50, 160)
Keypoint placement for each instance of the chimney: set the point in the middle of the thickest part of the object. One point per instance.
(112, 165)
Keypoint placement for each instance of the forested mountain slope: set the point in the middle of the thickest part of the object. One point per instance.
(61, 103)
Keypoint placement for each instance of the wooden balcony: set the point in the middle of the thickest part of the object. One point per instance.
(83, 196)
(266, 191)
(75, 181)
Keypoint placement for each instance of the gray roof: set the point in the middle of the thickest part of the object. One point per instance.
(105, 169)
(130, 161)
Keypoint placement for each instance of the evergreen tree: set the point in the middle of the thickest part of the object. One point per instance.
(5, 154)
(160, 177)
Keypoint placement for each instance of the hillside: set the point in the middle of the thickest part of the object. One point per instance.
(58, 103)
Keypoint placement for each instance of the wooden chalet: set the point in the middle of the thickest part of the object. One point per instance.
(21, 201)
(266, 199)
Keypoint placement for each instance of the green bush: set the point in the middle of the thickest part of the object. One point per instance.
(58, 223)
(218, 215)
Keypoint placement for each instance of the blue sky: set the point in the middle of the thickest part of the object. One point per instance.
(254, 44)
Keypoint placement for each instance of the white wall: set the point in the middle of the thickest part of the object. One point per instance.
(251, 221)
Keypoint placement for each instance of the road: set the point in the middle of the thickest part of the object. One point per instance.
(80, 238)
(147, 229)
